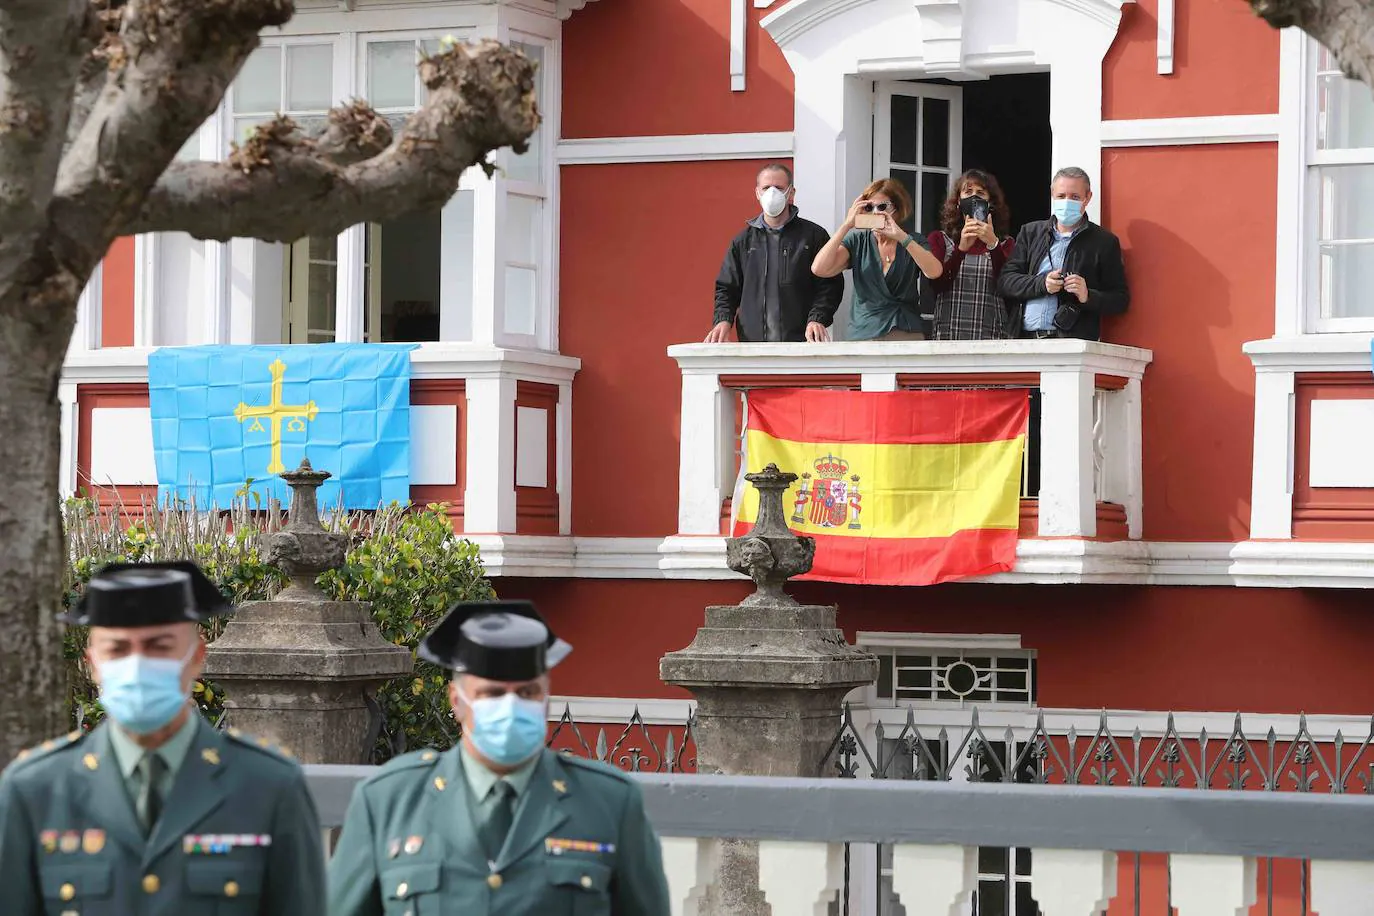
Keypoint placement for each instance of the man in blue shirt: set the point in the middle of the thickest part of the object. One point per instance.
(1065, 272)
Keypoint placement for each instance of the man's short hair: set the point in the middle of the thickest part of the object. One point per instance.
(1073, 173)
(775, 167)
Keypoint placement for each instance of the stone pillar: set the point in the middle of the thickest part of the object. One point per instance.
(298, 670)
(769, 676)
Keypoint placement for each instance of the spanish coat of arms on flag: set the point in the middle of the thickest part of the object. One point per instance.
(897, 487)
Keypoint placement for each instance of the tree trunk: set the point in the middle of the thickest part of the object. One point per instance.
(33, 342)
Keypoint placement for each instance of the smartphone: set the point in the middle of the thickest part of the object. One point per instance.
(975, 208)
(868, 221)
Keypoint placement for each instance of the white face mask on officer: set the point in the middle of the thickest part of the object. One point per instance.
(774, 201)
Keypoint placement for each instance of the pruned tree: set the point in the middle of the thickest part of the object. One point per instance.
(96, 99)
(1344, 27)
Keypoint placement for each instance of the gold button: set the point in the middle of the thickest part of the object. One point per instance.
(151, 884)
(586, 880)
(401, 889)
(231, 888)
(67, 892)
(494, 881)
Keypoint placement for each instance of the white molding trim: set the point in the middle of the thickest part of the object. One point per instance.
(1164, 44)
(1261, 128)
(739, 24)
(1058, 561)
(1312, 353)
(612, 711)
(684, 148)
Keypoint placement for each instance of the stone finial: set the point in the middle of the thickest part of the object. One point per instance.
(770, 554)
(304, 548)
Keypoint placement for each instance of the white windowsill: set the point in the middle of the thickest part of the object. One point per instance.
(1312, 353)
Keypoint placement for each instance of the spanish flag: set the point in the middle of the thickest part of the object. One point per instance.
(897, 487)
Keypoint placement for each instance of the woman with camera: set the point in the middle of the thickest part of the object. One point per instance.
(887, 262)
(972, 246)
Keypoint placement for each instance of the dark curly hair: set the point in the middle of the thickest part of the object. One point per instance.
(952, 221)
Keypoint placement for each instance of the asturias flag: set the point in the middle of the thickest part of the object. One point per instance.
(224, 415)
(897, 488)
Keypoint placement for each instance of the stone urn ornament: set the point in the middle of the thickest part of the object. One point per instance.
(770, 554)
(304, 549)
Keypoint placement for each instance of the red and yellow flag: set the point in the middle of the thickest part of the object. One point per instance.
(897, 487)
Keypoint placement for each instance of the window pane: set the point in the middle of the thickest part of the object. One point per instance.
(1347, 281)
(309, 77)
(935, 132)
(456, 264)
(258, 86)
(529, 165)
(324, 248)
(906, 113)
(1345, 118)
(521, 299)
(244, 127)
(522, 223)
(908, 180)
(410, 262)
(321, 299)
(391, 75)
(933, 187)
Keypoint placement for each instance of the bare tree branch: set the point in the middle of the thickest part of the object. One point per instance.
(281, 186)
(41, 43)
(179, 57)
(106, 56)
(1344, 27)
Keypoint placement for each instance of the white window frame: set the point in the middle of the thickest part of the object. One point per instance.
(884, 91)
(1314, 317)
(484, 326)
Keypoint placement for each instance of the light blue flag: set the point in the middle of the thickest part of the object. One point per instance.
(225, 415)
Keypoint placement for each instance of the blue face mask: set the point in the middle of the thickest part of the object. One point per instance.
(507, 730)
(1067, 211)
(143, 694)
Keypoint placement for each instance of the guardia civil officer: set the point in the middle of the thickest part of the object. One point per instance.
(154, 812)
(499, 825)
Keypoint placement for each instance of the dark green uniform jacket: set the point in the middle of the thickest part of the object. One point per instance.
(238, 834)
(580, 845)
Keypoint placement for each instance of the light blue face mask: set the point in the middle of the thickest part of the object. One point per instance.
(507, 730)
(143, 694)
(1067, 211)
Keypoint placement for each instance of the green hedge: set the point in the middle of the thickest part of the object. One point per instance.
(408, 563)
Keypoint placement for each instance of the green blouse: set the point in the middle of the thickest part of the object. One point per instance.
(881, 303)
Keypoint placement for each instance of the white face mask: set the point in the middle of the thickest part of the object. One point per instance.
(774, 201)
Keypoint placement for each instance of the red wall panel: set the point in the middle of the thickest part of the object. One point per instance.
(117, 295)
(1201, 270)
(1114, 647)
(630, 286)
(1226, 61)
(635, 68)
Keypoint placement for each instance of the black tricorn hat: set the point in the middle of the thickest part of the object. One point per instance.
(125, 595)
(496, 640)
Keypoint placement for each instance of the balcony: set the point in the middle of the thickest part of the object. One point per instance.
(1088, 451)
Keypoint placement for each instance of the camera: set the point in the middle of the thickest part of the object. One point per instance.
(975, 208)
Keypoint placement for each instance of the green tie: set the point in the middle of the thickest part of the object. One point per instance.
(150, 768)
(498, 824)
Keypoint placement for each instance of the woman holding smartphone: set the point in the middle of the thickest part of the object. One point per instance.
(887, 262)
(972, 246)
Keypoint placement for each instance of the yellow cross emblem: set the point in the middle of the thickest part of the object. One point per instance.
(275, 412)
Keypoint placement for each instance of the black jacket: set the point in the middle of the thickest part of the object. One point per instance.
(1094, 254)
(802, 296)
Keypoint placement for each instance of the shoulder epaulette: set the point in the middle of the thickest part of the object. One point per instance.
(415, 760)
(51, 746)
(262, 745)
(595, 766)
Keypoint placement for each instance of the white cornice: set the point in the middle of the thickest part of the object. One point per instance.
(1261, 128)
(858, 357)
(682, 148)
(797, 18)
(1058, 561)
(567, 7)
(1312, 353)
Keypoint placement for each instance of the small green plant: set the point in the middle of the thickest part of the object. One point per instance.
(407, 563)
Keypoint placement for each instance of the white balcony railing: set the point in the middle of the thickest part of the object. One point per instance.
(1216, 842)
(1089, 444)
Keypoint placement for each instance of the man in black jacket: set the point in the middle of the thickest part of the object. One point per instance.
(1065, 272)
(766, 289)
